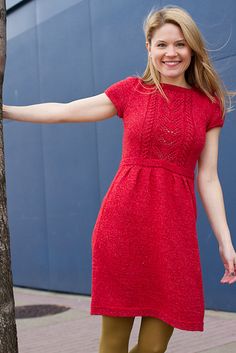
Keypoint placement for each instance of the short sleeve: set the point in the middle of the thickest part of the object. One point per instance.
(216, 118)
(119, 93)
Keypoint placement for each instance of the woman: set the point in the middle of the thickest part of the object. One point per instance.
(145, 250)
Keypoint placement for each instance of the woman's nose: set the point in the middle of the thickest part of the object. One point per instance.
(171, 51)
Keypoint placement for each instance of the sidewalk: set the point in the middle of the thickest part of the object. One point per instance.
(76, 331)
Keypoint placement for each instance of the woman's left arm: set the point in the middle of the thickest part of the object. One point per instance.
(211, 195)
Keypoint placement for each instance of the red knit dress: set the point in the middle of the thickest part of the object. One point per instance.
(145, 253)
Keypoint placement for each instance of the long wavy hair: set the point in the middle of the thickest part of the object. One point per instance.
(201, 72)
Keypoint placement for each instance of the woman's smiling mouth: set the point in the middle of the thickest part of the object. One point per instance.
(171, 63)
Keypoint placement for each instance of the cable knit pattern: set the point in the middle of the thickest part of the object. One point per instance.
(148, 127)
(145, 253)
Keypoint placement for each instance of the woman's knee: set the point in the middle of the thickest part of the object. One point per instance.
(115, 333)
(117, 326)
(154, 335)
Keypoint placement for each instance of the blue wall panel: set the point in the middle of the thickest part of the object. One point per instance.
(70, 151)
(11, 3)
(74, 50)
(24, 168)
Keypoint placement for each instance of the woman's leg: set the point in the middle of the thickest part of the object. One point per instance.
(154, 336)
(115, 334)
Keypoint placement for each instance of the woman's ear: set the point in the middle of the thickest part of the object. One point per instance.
(148, 48)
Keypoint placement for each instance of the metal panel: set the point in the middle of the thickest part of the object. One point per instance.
(21, 20)
(48, 9)
(70, 151)
(24, 168)
(11, 3)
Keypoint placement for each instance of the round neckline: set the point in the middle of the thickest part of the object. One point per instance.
(169, 85)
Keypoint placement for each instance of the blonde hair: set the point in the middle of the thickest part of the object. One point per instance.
(200, 73)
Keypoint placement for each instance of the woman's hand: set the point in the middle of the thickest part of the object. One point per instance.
(228, 256)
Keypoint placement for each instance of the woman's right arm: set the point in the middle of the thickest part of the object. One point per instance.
(89, 109)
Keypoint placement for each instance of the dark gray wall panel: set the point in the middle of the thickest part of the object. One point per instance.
(72, 202)
(70, 150)
(24, 168)
(48, 9)
(10, 3)
(21, 20)
(26, 205)
(65, 55)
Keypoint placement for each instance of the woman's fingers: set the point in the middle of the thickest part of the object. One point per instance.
(228, 256)
(224, 279)
(230, 274)
(232, 280)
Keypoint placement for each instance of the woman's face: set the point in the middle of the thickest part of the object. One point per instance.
(170, 54)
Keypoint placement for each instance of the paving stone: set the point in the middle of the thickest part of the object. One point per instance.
(76, 331)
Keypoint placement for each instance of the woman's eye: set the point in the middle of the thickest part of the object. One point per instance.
(163, 45)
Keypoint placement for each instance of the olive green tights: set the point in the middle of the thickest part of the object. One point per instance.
(154, 335)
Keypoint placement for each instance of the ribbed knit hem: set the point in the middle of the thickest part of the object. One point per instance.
(116, 312)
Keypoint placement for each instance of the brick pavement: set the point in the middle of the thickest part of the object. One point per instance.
(76, 331)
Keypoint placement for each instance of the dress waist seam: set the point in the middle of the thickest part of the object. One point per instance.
(159, 163)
